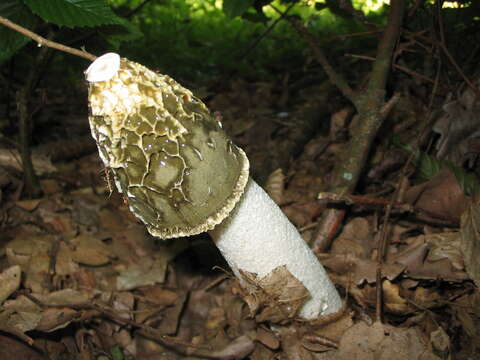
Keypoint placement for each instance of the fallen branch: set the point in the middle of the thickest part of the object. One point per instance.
(41, 41)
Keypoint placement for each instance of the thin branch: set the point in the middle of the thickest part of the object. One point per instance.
(25, 115)
(388, 42)
(369, 104)
(336, 79)
(266, 32)
(387, 108)
(41, 41)
(451, 59)
(137, 9)
(396, 66)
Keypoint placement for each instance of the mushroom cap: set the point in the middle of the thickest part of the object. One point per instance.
(170, 158)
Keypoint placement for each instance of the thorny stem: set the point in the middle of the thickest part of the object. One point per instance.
(41, 41)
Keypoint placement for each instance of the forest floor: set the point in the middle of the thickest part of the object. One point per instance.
(80, 277)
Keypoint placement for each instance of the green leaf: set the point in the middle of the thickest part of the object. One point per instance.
(117, 353)
(12, 41)
(428, 167)
(73, 13)
(234, 8)
(320, 6)
(256, 17)
(468, 181)
(115, 35)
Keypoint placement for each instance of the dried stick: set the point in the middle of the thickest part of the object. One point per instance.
(371, 109)
(32, 183)
(265, 33)
(370, 105)
(137, 9)
(45, 42)
(336, 79)
(399, 67)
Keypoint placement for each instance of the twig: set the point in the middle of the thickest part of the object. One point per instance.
(383, 243)
(137, 9)
(112, 314)
(32, 184)
(52, 254)
(396, 66)
(369, 105)
(266, 32)
(334, 77)
(443, 46)
(41, 41)
(382, 246)
(450, 58)
(387, 108)
(352, 35)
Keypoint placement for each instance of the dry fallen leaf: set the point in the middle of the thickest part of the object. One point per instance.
(440, 340)
(267, 338)
(29, 205)
(90, 251)
(276, 297)
(470, 239)
(356, 238)
(380, 342)
(13, 348)
(275, 186)
(9, 282)
(151, 269)
(440, 197)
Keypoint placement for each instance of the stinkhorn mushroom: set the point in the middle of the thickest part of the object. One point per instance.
(182, 175)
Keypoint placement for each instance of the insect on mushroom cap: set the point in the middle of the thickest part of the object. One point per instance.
(170, 158)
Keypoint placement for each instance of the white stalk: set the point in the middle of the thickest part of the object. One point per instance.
(257, 237)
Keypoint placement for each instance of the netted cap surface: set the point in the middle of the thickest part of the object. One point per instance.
(169, 156)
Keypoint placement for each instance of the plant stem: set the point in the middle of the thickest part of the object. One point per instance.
(32, 184)
(45, 42)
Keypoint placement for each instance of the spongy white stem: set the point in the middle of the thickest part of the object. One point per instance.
(257, 237)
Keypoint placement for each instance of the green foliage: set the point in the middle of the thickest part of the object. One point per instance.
(234, 8)
(70, 13)
(255, 17)
(74, 13)
(117, 353)
(189, 39)
(428, 167)
(11, 41)
(116, 35)
(193, 39)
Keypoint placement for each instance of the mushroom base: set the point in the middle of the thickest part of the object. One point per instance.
(258, 238)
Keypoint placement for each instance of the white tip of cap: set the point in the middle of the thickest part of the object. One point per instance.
(103, 68)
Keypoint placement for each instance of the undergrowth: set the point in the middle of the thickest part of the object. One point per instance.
(177, 33)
